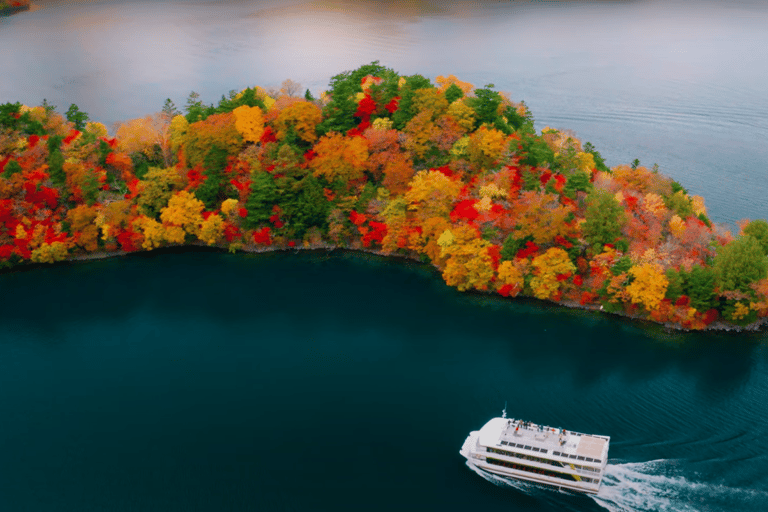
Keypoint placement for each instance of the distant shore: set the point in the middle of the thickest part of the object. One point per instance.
(9, 8)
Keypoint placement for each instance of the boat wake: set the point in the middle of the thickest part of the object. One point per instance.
(653, 486)
(657, 486)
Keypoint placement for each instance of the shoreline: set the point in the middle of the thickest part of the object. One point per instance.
(717, 326)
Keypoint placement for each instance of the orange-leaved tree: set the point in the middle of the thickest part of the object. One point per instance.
(339, 159)
(249, 122)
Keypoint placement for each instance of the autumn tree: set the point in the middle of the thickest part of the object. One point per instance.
(541, 217)
(383, 147)
(302, 118)
(211, 229)
(339, 159)
(217, 131)
(648, 286)
(82, 226)
(510, 280)
(431, 194)
(150, 135)
(182, 216)
(487, 147)
(468, 263)
(156, 189)
(549, 271)
(249, 122)
(398, 173)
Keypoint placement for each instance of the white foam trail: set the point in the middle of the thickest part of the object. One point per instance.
(654, 487)
(649, 487)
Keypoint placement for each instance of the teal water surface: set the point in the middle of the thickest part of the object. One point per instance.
(335, 381)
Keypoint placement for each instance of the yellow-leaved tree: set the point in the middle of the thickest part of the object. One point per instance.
(549, 271)
(153, 231)
(303, 117)
(487, 146)
(419, 132)
(177, 131)
(218, 131)
(510, 275)
(50, 253)
(468, 263)
(463, 114)
(229, 208)
(212, 229)
(182, 216)
(649, 285)
(432, 194)
(249, 121)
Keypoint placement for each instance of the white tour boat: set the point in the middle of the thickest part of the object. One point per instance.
(554, 458)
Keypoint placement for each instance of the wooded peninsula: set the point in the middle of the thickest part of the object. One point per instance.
(444, 173)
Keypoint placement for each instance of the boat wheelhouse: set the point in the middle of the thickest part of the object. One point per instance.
(551, 457)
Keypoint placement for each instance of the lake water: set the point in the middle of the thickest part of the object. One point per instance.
(205, 381)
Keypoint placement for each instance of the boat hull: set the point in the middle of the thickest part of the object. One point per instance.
(518, 476)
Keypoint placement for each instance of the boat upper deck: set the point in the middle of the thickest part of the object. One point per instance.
(507, 433)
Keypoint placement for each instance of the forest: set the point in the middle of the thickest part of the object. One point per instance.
(445, 173)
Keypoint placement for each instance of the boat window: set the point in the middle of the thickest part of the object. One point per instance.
(572, 456)
(580, 457)
(527, 447)
(529, 469)
(555, 453)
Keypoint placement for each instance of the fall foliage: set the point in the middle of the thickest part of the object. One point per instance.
(444, 173)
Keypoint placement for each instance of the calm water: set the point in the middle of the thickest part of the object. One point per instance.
(202, 381)
(205, 381)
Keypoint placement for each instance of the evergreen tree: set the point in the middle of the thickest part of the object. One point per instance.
(75, 116)
(169, 109)
(261, 200)
(599, 162)
(605, 219)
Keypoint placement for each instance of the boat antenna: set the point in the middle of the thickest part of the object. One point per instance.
(504, 412)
